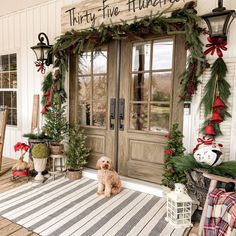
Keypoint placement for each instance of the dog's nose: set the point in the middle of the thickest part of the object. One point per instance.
(106, 166)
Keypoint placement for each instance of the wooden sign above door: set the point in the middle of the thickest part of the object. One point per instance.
(90, 13)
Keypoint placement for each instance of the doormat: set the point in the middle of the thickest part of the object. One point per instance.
(65, 207)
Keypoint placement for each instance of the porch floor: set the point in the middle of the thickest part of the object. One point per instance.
(64, 207)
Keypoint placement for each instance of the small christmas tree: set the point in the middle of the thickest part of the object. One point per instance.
(56, 125)
(174, 149)
(76, 151)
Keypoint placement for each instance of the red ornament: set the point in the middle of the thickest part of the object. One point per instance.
(209, 130)
(216, 118)
(218, 104)
(44, 110)
(48, 104)
(216, 44)
(47, 93)
(169, 152)
(168, 135)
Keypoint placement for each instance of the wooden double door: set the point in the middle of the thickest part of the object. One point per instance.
(125, 97)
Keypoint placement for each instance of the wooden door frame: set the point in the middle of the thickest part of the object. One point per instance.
(179, 64)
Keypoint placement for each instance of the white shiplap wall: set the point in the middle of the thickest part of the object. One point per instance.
(19, 31)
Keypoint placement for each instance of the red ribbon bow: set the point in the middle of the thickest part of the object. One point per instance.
(216, 44)
(201, 141)
(41, 67)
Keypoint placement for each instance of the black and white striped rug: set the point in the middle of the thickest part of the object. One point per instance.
(64, 207)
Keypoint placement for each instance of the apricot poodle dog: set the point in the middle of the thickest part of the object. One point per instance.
(108, 179)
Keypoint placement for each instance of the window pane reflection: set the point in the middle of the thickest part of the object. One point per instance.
(99, 87)
(159, 117)
(92, 88)
(99, 114)
(13, 64)
(139, 88)
(85, 63)
(100, 62)
(84, 113)
(13, 81)
(161, 86)
(5, 63)
(151, 85)
(162, 55)
(85, 88)
(141, 56)
(139, 117)
(8, 85)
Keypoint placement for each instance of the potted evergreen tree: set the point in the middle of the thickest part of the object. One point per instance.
(56, 126)
(40, 153)
(76, 153)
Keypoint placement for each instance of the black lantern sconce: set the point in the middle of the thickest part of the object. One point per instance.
(219, 20)
(43, 52)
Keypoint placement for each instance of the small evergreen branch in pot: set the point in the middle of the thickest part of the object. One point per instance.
(76, 150)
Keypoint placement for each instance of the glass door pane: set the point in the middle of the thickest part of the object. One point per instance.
(151, 85)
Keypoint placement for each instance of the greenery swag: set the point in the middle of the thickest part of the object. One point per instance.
(216, 88)
(183, 21)
(188, 163)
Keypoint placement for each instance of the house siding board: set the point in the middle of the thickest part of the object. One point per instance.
(19, 31)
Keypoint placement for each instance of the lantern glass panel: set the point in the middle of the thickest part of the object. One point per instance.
(37, 52)
(217, 24)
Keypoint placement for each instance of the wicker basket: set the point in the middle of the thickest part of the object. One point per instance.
(73, 175)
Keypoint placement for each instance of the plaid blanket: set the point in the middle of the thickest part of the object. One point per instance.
(221, 214)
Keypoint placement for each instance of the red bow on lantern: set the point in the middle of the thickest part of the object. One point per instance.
(40, 66)
(216, 44)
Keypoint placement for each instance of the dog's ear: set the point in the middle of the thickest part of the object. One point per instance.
(98, 164)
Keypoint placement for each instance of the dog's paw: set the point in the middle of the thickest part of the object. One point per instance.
(100, 193)
(107, 194)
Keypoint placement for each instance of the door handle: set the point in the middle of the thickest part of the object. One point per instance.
(112, 112)
(121, 113)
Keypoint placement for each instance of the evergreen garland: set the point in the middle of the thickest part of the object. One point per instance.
(187, 162)
(183, 21)
(174, 149)
(52, 84)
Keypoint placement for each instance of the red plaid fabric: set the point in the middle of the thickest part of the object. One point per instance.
(221, 214)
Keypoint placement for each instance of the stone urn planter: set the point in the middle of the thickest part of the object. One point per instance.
(39, 166)
(40, 153)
